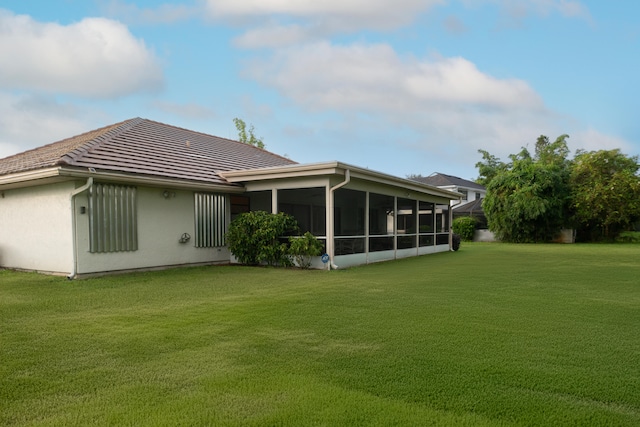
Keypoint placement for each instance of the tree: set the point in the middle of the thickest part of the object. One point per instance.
(489, 167)
(415, 176)
(527, 199)
(605, 193)
(247, 136)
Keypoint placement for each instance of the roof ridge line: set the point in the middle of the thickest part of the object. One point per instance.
(70, 157)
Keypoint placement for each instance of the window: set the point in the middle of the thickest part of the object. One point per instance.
(307, 206)
(381, 215)
(113, 225)
(239, 205)
(426, 218)
(465, 194)
(406, 216)
(210, 220)
(349, 214)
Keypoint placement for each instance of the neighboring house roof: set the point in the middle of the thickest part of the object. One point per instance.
(144, 147)
(443, 180)
(472, 207)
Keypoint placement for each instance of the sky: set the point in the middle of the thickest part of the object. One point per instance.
(403, 87)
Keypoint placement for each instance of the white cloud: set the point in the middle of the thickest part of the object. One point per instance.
(569, 8)
(289, 22)
(162, 14)
(274, 35)
(374, 78)
(28, 121)
(519, 9)
(95, 57)
(591, 139)
(295, 21)
(373, 11)
(435, 108)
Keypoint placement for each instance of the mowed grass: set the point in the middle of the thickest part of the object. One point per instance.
(492, 335)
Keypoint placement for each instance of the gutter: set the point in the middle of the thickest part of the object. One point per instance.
(74, 243)
(331, 231)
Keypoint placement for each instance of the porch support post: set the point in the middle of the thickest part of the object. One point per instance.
(450, 227)
(274, 200)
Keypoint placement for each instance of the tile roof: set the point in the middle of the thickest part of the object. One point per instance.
(443, 180)
(142, 146)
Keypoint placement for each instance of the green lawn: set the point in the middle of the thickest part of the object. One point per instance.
(492, 335)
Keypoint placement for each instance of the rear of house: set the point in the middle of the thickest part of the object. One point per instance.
(141, 194)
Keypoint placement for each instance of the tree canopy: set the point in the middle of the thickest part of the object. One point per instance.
(489, 167)
(526, 199)
(247, 135)
(605, 192)
(531, 198)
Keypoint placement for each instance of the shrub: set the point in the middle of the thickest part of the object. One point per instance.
(629, 237)
(303, 248)
(465, 226)
(255, 237)
(455, 242)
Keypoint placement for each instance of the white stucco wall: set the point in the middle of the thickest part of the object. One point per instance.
(161, 222)
(35, 228)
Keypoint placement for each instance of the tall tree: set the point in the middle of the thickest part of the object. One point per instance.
(489, 167)
(246, 135)
(552, 153)
(605, 193)
(527, 199)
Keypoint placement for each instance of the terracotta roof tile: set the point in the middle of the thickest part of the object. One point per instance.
(143, 146)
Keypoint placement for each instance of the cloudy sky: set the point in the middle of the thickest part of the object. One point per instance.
(398, 86)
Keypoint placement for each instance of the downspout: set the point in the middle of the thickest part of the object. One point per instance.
(451, 223)
(331, 231)
(74, 243)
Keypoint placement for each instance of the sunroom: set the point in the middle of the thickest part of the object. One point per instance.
(361, 215)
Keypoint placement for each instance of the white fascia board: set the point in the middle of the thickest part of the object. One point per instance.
(41, 176)
(279, 172)
(336, 168)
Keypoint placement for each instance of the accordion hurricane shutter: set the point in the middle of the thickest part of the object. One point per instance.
(210, 220)
(113, 218)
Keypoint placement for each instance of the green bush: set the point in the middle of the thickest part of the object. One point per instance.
(256, 237)
(465, 226)
(303, 248)
(629, 237)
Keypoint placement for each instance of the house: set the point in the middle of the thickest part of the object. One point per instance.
(142, 194)
(469, 205)
(471, 191)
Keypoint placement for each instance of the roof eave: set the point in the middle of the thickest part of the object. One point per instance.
(35, 177)
(335, 168)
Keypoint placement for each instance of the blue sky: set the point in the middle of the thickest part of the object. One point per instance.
(398, 86)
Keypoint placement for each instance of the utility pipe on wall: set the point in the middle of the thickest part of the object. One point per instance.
(74, 243)
(331, 231)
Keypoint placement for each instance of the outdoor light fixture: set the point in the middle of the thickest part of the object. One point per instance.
(168, 194)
